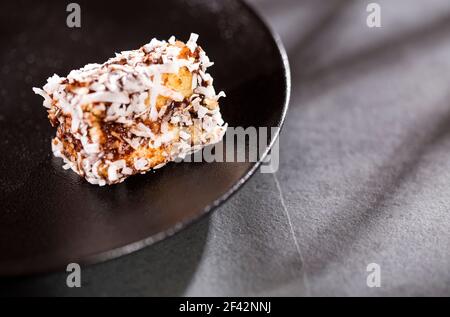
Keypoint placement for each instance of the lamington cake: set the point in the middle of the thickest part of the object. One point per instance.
(135, 112)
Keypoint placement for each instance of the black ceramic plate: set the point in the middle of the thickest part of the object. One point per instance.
(50, 217)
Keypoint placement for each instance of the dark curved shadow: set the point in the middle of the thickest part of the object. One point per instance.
(300, 51)
(306, 72)
(341, 232)
(164, 269)
(311, 79)
(303, 51)
(371, 56)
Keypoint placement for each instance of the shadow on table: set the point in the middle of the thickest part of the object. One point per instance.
(304, 52)
(164, 269)
(342, 231)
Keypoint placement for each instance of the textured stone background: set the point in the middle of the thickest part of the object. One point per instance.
(364, 175)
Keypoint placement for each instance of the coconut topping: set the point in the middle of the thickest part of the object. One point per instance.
(137, 111)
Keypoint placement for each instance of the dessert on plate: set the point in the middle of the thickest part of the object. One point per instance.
(135, 112)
